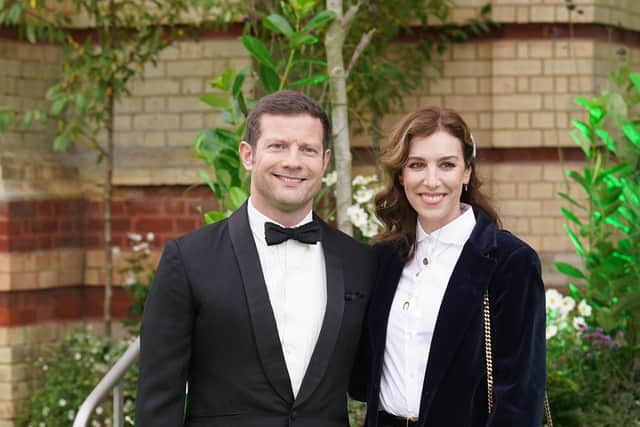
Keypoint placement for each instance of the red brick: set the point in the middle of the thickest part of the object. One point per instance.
(44, 208)
(118, 208)
(144, 225)
(4, 227)
(4, 244)
(44, 226)
(4, 209)
(21, 209)
(18, 227)
(22, 244)
(144, 207)
(174, 206)
(44, 242)
(184, 225)
(120, 224)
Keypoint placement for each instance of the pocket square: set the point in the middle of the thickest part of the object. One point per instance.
(349, 296)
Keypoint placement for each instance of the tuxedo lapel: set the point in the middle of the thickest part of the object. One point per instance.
(261, 312)
(461, 302)
(332, 318)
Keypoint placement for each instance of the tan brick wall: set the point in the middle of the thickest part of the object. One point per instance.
(625, 13)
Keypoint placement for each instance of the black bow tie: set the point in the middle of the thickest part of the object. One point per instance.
(307, 233)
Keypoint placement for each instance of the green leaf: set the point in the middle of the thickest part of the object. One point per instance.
(258, 50)
(279, 24)
(569, 270)
(26, 119)
(574, 239)
(216, 102)
(635, 79)
(570, 216)
(205, 177)
(30, 32)
(298, 39)
(60, 143)
(574, 175)
(58, 106)
(584, 129)
(214, 216)
(224, 81)
(310, 81)
(6, 119)
(269, 79)
(239, 81)
(81, 103)
(238, 197)
(302, 7)
(632, 133)
(607, 139)
(319, 21)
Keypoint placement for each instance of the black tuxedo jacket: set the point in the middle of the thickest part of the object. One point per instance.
(208, 322)
(454, 392)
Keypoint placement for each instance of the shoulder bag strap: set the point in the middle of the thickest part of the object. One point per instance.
(486, 318)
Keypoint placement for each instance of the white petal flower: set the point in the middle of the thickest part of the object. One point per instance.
(371, 179)
(99, 410)
(584, 309)
(370, 229)
(552, 330)
(359, 180)
(144, 246)
(330, 178)
(130, 279)
(115, 250)
(357, 216)
(71, 415)
(363, 195)
(553, 299)
(150, 237)
(134, 237)
(567, 304)
(45, 411)
(62, 402)
(77, 356)
(579, 323)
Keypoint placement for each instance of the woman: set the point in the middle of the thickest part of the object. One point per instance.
(440, 251)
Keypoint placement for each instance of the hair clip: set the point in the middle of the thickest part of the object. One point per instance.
(473, 143)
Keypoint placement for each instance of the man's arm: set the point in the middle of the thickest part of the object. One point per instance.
(165, 341)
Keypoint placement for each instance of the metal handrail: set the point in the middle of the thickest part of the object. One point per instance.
(111, 381)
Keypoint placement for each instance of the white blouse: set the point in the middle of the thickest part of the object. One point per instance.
(414, 312)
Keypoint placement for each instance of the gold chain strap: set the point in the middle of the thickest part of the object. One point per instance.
(486, 317)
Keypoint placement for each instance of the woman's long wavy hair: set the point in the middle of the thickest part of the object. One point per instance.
(392, 206)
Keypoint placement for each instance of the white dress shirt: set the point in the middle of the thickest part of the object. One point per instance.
(295, 276)
(414, 312)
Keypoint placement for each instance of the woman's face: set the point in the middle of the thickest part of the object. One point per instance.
(433, 178)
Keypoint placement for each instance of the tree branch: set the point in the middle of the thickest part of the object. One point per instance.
(362, 44)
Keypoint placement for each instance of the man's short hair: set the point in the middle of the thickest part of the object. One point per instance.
(285, 103)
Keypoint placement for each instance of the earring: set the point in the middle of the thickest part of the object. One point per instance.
(466, 187)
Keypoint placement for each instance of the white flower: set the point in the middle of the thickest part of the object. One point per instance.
(584, 309)
(357, 216)
(71, 414)
(330, 178)
(99, 410)
(144, 246)
(77, 356)
(96, 423)
(135, 237)
(579, 323)
(130, 279)
(553, 299)
(62, 402)
(552, 330)
(370, 229)
(359, 180)
(150, 237)
(115, 250)
(42, 424)
(566, 305)
(363, 195)
(370, 179)
(45, 411)
(45, 367)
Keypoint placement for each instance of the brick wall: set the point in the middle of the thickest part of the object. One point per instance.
(514, 87)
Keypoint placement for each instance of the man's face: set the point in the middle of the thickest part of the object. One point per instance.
(286, 165)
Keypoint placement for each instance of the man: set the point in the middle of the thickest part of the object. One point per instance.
(263, 329)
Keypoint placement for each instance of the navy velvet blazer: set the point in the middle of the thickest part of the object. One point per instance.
(455, 387)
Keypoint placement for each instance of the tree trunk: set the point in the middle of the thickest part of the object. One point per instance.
(108, 247)
(334, 42)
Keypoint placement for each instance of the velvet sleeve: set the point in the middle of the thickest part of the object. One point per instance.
(518, 325)
(165, 342)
